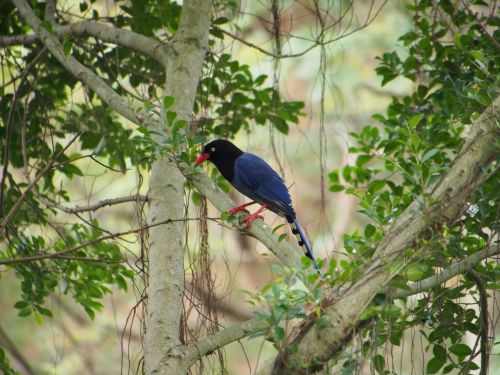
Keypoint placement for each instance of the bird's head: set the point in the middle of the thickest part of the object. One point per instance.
(219, 151)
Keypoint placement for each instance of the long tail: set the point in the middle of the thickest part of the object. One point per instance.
(299, 233)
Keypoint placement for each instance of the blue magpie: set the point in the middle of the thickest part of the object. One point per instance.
(253, 177)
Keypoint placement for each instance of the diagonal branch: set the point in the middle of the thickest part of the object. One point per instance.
(125, 38)
(193, 352)
(316, 347)
(81, 72)
(457, 268)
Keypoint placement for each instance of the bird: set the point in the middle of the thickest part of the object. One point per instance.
(254, 178)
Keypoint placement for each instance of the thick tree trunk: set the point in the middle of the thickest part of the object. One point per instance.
(166, 254)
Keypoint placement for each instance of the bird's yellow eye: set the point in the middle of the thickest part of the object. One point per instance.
(212, 149)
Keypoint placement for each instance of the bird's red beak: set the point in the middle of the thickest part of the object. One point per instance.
(200, 159)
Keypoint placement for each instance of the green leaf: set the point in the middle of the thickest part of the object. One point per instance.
(336, 188)
(439, 352)
(43, 311)
(21, 304)
(333, 177)
(434, 365)
(276, 268)
(67, 47)
(220, 21)
(171, 116)
(449, 368)
(25, 311)
(199, 138)
(415, 140)
(460, 350)
(477, 54)
(429, 154)
(413, 122)
(279, 333)
(196, 198)
(369, 230)
(38, 318)
(376, 185)
(121, 282)
(167, 102)
(379, 363)
(363, 159)
(89, 312)
(71, 169)
(415, 272)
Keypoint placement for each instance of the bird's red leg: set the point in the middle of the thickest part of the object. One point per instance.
(250, 218)
(236, 209)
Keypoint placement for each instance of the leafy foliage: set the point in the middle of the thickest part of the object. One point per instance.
(236, 98)
(286, 298)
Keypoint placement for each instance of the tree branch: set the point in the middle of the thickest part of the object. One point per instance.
(86, 243)
(93, 207)
(81, 72)
(317, 346)
(148, 46)
(460, 267)
(191, 353)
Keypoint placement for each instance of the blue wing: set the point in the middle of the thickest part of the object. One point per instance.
(256, 179)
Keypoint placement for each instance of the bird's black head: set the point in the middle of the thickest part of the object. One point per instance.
(223, 154)
(218, 151)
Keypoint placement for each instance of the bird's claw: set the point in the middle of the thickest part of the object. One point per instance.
(250, 219)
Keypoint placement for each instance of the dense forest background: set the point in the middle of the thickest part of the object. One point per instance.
(366, 108)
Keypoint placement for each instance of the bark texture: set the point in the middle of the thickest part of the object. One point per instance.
(185, 55)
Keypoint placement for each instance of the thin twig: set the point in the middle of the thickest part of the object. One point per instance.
(460, 267)
(94, 207)
(89, 243)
